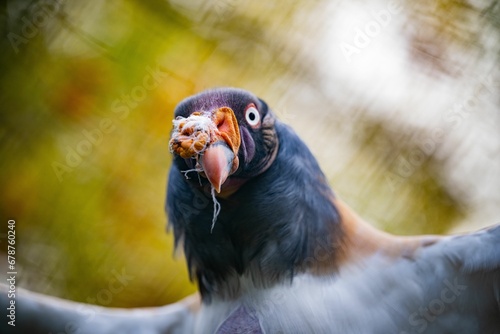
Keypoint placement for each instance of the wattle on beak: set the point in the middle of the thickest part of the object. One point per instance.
(220, 159)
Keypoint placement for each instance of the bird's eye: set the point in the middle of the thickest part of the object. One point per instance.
(252, 116)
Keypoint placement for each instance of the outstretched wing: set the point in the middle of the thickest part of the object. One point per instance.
(466, 295)
(450, 286)
(37, 313)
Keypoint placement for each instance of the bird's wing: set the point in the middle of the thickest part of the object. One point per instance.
(425, 284)
(458, 284)
(37, 313)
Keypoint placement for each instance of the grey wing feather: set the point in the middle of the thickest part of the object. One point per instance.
(459, 280)
(37, 313)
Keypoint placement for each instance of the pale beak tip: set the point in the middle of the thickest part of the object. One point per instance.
(217, 162)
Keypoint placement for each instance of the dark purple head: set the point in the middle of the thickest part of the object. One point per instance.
(256, 145)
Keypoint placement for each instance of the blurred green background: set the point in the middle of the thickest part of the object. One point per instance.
(399, 102)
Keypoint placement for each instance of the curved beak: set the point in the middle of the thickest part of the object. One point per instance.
(220, 159)
(217, 162)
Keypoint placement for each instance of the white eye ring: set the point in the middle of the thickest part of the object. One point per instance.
(252, 116)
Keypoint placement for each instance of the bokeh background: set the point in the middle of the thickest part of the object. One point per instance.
(398, 100)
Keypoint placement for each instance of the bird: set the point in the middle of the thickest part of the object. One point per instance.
(273, 249)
